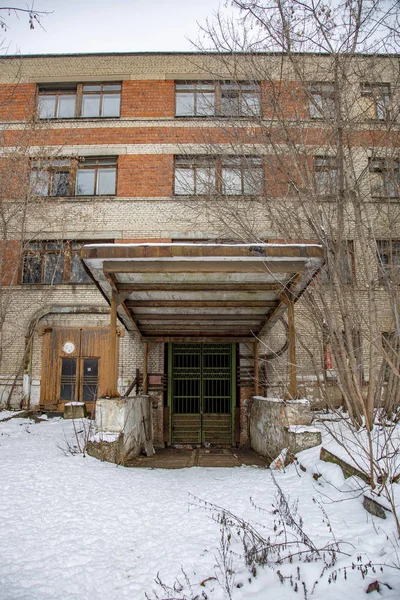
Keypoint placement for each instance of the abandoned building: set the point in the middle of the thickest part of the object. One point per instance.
(117, 278)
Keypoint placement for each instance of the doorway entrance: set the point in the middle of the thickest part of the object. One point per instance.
(74, 365)
(202, 393)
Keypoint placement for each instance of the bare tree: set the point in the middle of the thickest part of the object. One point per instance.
(313, 97)
(34, 16)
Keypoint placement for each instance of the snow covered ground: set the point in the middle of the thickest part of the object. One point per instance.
(72, 527)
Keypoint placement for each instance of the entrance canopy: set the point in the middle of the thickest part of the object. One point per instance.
(201, 292)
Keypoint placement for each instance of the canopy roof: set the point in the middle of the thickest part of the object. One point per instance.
(201, 292)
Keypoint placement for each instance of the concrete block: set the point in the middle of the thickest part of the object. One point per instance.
(302, 438)
(74, 410)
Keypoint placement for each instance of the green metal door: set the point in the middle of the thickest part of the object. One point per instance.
(201, 393)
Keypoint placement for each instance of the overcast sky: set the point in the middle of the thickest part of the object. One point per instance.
(107, 26)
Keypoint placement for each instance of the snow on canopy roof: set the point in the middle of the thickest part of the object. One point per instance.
(240, 245)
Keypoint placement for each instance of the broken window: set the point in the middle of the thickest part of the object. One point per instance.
(321, 100)
(326, 175)
(375, 100)
(222, 98)
(67, 101)
(385, 177)
(228, 175)
(53, 262)
(51, 177)
(69, 177)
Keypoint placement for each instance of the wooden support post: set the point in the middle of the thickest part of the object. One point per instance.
(292, 348)
(112, 391)
(145, 374)
(256, 377)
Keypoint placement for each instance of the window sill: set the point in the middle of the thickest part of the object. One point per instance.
(69, 119)
(76, 198)
(46, 286)
(210, 117)
(217, 196)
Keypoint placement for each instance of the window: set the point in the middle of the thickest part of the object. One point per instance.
(385, 177)
(226, 99)
(79, 100)
(242, 175)
(51, 177)
(326, 175)
(345, 266)
(321, 100)
(53, 262)
(240, 99)
(195, 175)
(101, 100)
(69, 177)
(96, 177)
(375, 100)
(388, 252)
(228, 175)
(69, 384)
(57, 103)
(194, 99)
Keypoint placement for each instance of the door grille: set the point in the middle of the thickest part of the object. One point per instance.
(202, 393)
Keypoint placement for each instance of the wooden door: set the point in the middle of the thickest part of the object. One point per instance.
(74, 366)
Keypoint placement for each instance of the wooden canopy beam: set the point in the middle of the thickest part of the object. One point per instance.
(268, 265)
(198, 287)
(112, 387)
(200, 304)
(208, 339)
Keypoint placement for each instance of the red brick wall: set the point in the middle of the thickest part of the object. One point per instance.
(17, 102)
(284, 99)
(145, 175)
(148, 99)
(10, 262)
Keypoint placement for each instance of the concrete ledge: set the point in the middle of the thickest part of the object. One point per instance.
(276, 424)
(302, 438)
(348, 470)
(106, 449)
(124, 429)
(374, 507)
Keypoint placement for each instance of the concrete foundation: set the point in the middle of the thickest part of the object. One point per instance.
(276, 424)
(123, 429)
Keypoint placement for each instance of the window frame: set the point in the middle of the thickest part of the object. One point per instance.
(97, 163)
(388, 270)
(221, 89)
(330, 166)
(220, 163)
(381, 102)
(66, 252)
(50, 166)
(388, 170)
(78, 90)
(73, 166)
(317, 89)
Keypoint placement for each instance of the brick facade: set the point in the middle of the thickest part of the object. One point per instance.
(145, 139)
